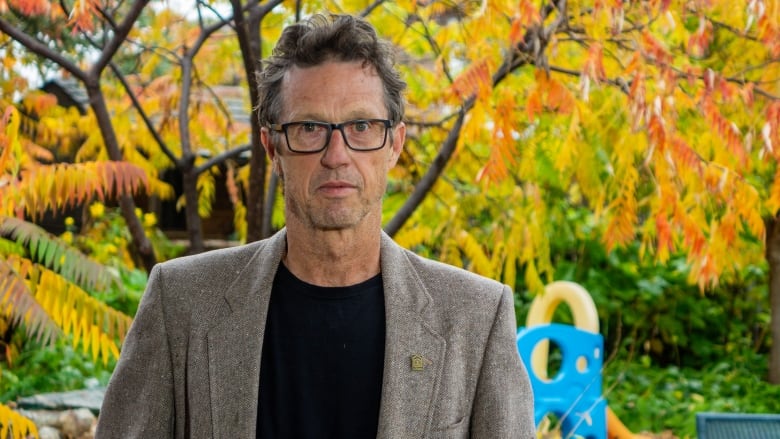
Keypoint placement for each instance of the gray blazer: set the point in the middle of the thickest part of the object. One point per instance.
(190, 366)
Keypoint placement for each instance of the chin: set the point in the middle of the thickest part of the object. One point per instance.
(333, 224)
(336, 220)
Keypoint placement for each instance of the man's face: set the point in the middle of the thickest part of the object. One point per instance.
(336, 188)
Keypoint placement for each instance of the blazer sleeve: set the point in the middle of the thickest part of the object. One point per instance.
(503, 405)
(139, 398)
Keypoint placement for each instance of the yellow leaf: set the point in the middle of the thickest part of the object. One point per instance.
(21, 426)
(474, 251)
(95, 342)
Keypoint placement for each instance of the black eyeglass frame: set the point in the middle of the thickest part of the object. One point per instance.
(282, 128)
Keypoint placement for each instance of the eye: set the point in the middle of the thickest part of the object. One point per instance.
(310, 127)
(361, 126)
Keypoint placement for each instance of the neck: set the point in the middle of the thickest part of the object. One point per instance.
(333, 257)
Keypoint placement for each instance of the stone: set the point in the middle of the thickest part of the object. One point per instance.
(77, 424)
(91, 399)
(48, 433)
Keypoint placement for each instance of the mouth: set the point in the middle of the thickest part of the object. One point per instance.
(336, 188)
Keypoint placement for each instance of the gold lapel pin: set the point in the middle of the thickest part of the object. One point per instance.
(418, 362)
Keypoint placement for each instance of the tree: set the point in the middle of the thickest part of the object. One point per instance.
(155, 74)
(46, 285)
(45, 281)
(661, 117)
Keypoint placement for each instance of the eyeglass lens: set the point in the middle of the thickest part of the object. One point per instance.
(314, 136)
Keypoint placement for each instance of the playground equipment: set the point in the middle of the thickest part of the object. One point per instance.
(574, 394)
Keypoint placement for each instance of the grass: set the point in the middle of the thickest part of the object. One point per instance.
(648, 398)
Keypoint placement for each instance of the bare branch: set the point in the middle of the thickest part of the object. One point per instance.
(120, 35)
(427, 124)
(222, 157)
(370, 8)
(41, 49)
(732, 29)
(137, 105)
(425, 184)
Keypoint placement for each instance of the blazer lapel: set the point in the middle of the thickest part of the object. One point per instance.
(235, 343)
(414, 351)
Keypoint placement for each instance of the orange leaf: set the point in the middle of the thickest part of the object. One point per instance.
(728, 227)
(533, 105)
(516, 32)
(769, 32)
(727, 130)
(693, 237)
(528, 13)
(475, 80)
(559, 99)
(665, 245)
(594, 64)
(746, 92)
(728, 90)
(653, 49)
(31, 8)
(773, 202)
(685, 155)
(656, 132)
(634, 64)
(81, 16)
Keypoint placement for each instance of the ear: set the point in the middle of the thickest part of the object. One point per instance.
(398, 136)
(270, 150)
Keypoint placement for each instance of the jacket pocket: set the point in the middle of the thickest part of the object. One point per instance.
(458, 430)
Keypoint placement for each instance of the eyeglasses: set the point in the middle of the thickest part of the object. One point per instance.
(308, 137)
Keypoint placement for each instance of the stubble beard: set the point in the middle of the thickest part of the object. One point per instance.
(323, 215)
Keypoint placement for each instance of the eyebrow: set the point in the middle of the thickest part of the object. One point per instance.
(353, 115)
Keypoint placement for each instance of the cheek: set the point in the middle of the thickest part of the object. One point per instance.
(378, 171)
(293, 176)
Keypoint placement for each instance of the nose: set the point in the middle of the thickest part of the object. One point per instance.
(336, 153)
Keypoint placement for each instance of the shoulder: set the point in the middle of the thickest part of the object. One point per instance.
(210, 261)
(229, 261)
(463, 307)
(453, 288)
(439, 273)
(209, 276)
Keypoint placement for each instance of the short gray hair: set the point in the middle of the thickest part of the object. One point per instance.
(321, 38)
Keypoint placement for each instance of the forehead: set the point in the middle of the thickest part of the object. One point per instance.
(333, 91)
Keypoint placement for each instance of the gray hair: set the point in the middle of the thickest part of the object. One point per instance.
(321, 38)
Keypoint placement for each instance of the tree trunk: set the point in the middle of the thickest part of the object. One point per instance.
(773, 258)
(256, 197)
(426, 183)
(270, 200)
(194, 224)
(141, 242)
(248, 33)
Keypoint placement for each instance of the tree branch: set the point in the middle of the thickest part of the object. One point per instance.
(732, 29)
(427, 124)
(370, 8)
(222, 157)
(426, 183)
(144, 117)
(41, 49)
(538, 37)
(120, 36)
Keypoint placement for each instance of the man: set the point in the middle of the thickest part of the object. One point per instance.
(328, 329)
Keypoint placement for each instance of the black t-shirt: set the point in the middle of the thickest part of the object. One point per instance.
(322, 361)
